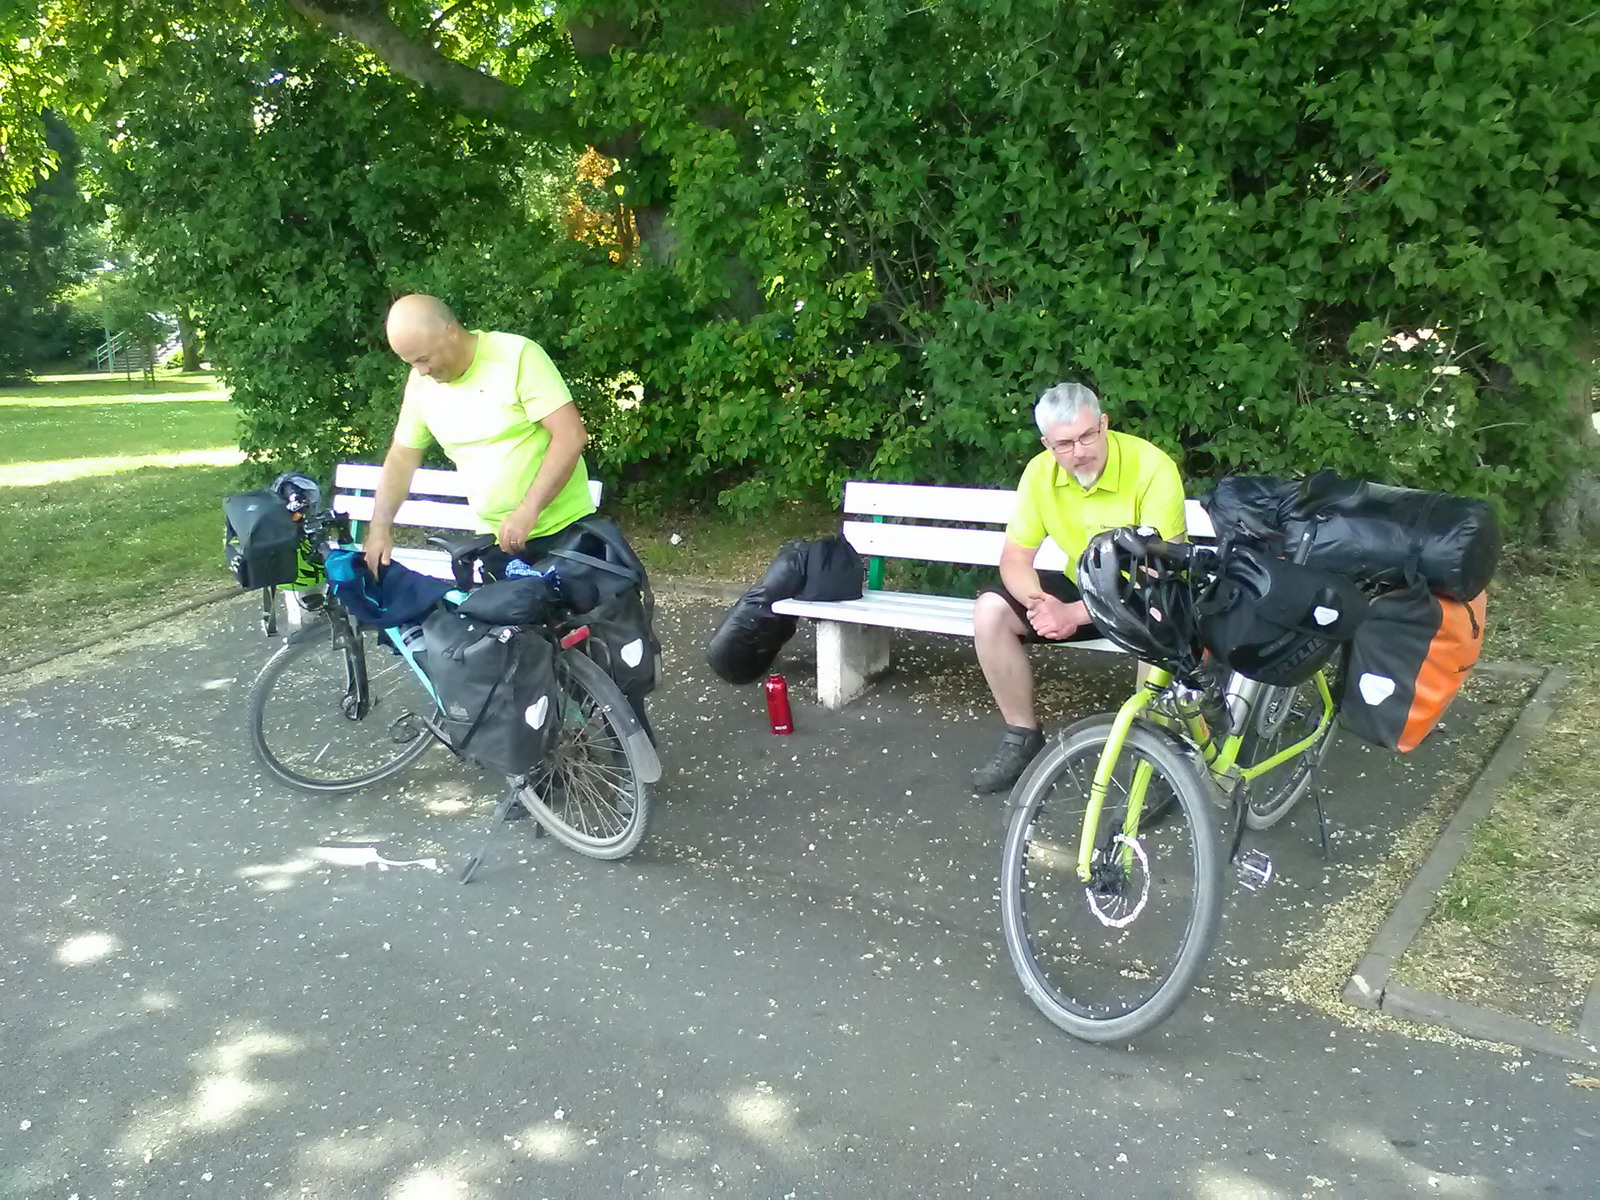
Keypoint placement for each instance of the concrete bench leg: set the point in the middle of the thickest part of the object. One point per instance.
(849, 657)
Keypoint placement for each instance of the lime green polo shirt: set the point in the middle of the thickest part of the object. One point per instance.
(1140, 486)
(487, 421)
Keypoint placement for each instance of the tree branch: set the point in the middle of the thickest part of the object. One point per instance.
(465, 87)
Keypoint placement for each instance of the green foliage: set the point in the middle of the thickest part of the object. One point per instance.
(1276, 237)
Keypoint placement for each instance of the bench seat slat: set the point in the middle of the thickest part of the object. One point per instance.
(950, 615)
(426, 481)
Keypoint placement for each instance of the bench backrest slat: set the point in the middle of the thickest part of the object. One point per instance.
(988, 506)
(438, 513)
(935, 543)
(426, 481)
(931, 543)
(430, 514)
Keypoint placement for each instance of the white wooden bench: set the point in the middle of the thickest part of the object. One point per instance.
(437, 501)
(854, 636)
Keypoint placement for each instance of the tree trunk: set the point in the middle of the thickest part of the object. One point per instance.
(190, 341)
(1575, 517)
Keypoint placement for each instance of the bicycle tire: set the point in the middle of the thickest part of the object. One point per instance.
(1029, 897)
(592, 792)
(1280, 717)
(302, 730)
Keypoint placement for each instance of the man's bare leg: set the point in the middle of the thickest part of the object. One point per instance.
(998, 634)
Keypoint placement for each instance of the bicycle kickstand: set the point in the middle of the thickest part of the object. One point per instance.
(1322, 821)
(502, 813)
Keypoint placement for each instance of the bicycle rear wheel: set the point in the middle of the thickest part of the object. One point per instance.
(307, 723)
(1281, 717)
(1109, 960)
(592, 791)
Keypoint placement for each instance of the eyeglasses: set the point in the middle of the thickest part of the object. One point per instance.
(1066, 445)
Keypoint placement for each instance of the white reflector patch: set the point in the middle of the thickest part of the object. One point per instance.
(1324, 615)
(633, 652)
(1155, 613)
(1375, 689)
(535, 713)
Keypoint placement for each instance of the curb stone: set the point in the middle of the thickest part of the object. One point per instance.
(1370, 986)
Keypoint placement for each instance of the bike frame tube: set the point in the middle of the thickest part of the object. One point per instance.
(454, 596)
(1135, 704)
(1299, 747)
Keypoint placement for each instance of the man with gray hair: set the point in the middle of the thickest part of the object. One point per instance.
(1087, 479)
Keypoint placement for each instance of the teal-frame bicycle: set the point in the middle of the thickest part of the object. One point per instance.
(341, 706)
(1112, 875)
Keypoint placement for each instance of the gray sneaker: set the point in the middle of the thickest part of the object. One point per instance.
(1017, 749)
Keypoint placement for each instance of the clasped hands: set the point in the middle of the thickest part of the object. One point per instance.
(1055, 619)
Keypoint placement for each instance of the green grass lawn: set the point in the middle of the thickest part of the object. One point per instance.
(110, 503)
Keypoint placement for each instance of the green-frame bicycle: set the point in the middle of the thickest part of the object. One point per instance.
(1112, 875)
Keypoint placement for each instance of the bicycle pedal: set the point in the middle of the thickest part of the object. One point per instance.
(1254, 870)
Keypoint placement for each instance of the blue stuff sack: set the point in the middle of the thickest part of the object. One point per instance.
(397, 597)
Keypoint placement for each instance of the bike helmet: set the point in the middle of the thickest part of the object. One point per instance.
(299, 493)
(1277, 621)
(1139, 602)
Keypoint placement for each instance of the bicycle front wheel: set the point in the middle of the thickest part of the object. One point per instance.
(333, 713)
(1109, 959)
(592, 791)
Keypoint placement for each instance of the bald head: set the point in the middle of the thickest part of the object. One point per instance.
(426, 335)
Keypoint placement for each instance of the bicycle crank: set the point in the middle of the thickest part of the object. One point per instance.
(1254, 869)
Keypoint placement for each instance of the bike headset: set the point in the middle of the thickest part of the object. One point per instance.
(1140, 597)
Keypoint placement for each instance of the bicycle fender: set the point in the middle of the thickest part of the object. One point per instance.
(639, 743)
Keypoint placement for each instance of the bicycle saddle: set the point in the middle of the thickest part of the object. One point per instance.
(462, 548)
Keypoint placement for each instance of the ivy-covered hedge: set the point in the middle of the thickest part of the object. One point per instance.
(1356, 234)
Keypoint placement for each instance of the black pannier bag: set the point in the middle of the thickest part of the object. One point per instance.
(1372, 532)
(1276, 621)
(604, 586)
(260, 540)
(747, 642)
(497, 689)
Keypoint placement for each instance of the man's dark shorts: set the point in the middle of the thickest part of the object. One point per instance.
(1057, 584)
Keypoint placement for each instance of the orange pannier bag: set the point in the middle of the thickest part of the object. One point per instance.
(1406, 663)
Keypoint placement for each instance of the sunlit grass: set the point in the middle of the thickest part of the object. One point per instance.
(110, 503)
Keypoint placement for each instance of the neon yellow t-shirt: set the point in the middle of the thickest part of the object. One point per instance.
(487, 421)
(1140, 486)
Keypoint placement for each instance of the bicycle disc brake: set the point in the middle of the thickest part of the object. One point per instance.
(1109, 893)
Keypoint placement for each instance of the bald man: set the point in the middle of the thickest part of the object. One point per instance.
(495, 403)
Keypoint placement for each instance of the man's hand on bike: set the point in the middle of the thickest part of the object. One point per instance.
(1055, 619)
(378, 548)
(514, 530)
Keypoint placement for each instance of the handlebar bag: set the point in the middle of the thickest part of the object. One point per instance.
(260, 539)
(497, 690)
(1407, 662)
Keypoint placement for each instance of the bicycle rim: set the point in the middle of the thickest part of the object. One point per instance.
(1110, 960)
(1281, 717)
(589, 792)
(304, 724)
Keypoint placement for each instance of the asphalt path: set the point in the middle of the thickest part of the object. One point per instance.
(211, 986)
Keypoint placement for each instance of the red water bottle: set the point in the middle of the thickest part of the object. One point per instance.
(778, 705)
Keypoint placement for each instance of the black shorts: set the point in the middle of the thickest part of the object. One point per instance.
(1057, 584)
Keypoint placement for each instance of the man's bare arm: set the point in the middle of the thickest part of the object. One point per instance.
(1017, 571)
(568, 437)
(394, 485)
